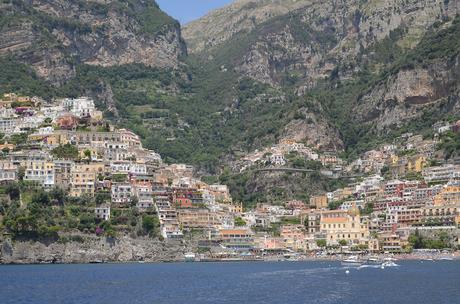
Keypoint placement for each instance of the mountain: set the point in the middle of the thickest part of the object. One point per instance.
(54, 36)
(222, 24)
(336, 75)
(376, 65)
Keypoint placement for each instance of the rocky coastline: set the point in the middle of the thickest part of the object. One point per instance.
(92, 250)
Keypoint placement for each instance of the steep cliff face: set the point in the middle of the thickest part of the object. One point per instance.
(307, 40)
(241, 16)
(406, 95)
(53, 36)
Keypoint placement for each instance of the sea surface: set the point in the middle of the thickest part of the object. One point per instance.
(256, 282)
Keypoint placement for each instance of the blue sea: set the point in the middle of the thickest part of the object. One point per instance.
(256, 282)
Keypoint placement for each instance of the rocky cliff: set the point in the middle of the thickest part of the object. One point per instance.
(54, 36)
(313, 48)
(91, 250)
(307, 40)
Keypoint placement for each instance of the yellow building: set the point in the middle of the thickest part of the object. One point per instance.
(84, 177)
(416, 164)
(448, 196)
(390, 242)
(40, 171)
(344, 225)
(374, 245)
(10, 98)
(56, 139)
(403, 165)
(319, 201)
(235, 207)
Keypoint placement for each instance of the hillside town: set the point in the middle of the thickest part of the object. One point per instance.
(399, 194)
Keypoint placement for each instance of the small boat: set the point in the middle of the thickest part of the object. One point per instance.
(373, 260)
(190, 257)
(389, 264)
(389, 259)
(445, 259)
(352, 261)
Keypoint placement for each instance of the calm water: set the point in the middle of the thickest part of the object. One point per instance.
(286, 282)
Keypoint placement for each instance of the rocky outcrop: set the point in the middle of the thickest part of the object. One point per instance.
(92, 250)
(53, 36)
(241, 16)
(403, 96)
(315, 131)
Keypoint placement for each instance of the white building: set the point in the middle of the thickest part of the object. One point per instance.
(277, 160)
(102, 212)
(441, 173)
(41, 172)
(350, 204)
(8, 171)
(144, 196)
(81, 107)
(121, 193)
(7, 125)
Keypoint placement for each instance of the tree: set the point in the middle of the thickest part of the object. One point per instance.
(416, 240)
(321, 243)
(41, 198)
(87, 154)
(343, 243)
(102, 197)
(368, 209)
(66, 151)
(21, 173)
(13, 190)
(58, 196)
(150, 225)
(239, 222)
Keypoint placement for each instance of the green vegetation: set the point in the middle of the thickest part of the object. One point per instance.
(450, 144)
(239, 222)
(31, 213)
(321, 243)
(442, 240)
(151, 225)
(368, 209)
(67, 151)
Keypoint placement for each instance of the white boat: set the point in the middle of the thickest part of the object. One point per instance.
(389, 264)
(373, 260)
(389, 259)
(352, 261)
(190, 257)
(445, 259)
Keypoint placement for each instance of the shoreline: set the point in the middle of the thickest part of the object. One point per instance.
(403, 257)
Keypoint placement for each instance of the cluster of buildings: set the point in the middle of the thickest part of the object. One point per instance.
(277, 155)
(69, 146)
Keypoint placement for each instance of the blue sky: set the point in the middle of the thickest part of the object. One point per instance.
(188, 10)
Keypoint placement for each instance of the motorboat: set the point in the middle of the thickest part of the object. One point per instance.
(352, 261)
(445, 258)
(373, 260)
(389, 264)
(190, 257)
